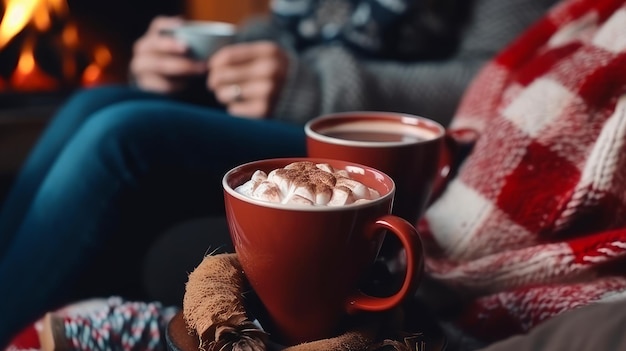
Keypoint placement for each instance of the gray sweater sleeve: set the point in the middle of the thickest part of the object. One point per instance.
(330, 78)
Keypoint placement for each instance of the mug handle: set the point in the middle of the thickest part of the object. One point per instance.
(458, 143)
(412, 243)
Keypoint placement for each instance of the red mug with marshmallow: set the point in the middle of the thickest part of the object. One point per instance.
(306, 231)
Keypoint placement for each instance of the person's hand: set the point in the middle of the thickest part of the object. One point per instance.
(159, 63)
(247, 77)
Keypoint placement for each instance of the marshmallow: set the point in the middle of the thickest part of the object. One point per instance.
(267, 191)
(359, 190)
(296, 199)
(341, 196)
(248, 187)
(307, 183)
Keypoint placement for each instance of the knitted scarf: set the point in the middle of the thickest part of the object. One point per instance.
(534, 223)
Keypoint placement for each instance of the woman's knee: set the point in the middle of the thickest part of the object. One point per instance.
(139, 121)
(122, 130)
(109, 127)
(97, 97)
(126, 119)
(89, 101)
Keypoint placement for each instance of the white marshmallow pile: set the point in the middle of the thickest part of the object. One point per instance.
(307, 183)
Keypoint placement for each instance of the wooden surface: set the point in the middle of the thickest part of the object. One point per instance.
(178, 336)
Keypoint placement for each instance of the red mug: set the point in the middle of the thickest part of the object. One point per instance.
(416, 152)
(305, 262)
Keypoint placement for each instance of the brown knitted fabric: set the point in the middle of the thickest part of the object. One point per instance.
(213, 300)
(353, 340)
(213, 308)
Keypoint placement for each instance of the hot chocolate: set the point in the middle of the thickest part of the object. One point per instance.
(378, 132)
(307, 183)
(412, 150)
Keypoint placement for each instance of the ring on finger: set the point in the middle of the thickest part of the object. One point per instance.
(237, 93)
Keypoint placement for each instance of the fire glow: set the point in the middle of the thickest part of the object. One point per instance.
(28, 23)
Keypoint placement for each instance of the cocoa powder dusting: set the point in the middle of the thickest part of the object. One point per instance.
(308, 175)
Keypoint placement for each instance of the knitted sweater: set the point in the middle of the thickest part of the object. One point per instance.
(331, 77)
(391, 29)
(534, 224)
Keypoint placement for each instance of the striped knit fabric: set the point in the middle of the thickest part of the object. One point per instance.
(102, 324)
(534, 224)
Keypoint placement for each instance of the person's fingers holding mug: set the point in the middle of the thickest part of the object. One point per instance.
(253, 99)
(160, 84)
(164, 74)
(247, 77)
(159, 61)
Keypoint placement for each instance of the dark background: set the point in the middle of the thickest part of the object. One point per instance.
(124, 19)
(120, 22)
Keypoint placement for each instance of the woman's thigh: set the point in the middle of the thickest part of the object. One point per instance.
(78, 109)
(146, 164)
(146, 139)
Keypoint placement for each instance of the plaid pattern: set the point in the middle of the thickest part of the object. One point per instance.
(534, 224)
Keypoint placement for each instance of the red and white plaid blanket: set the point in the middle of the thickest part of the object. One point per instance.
(534, 224)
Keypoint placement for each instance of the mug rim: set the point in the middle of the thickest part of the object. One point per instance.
(307, 208)
(402, 118)
(213, 28)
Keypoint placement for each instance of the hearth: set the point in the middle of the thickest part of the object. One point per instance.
(60, 45)
(42, 48)
(51, 48)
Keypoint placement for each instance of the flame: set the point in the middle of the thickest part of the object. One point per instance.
(37, 16)
(19, 13)
(94, 72)
(16, 17)
(42, 20)
(27, 75)
(70, 36)
(70, 40)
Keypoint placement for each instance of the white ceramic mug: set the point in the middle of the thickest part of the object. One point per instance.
(204, 37)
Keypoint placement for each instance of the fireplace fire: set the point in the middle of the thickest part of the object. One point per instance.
(49, 49)
(42, 49)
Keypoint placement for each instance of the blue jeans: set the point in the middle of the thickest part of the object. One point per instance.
(114, 166)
